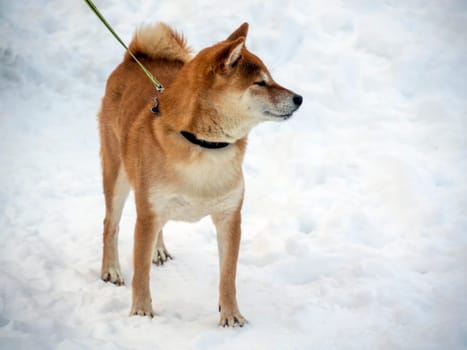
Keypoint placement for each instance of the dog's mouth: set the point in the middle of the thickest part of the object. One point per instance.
(277, 115)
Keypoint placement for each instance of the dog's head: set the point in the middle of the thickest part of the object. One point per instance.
(236, 90)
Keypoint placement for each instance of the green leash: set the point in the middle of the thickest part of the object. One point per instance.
(151, 77)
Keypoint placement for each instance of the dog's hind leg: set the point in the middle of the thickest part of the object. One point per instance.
(116, 188)
(160, 255)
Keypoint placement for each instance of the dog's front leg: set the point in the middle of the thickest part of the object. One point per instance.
(228, 239)
(145, 236)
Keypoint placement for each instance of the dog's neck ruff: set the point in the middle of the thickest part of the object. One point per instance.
(203, 143)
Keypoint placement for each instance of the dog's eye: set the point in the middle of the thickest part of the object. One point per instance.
(260, 83)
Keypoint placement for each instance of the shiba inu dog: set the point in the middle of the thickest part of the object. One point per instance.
(185, 162)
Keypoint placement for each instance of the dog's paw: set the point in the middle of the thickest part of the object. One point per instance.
(112, 275)
(232, 318)
(142, 310)
(161, 256)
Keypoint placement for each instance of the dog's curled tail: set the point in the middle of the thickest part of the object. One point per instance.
(159, 41)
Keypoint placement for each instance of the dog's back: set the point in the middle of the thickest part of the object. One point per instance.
(163, 52)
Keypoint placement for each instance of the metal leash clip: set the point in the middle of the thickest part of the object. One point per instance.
(155, 108)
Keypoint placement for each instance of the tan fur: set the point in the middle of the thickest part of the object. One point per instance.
(213, 96)
(160, 41)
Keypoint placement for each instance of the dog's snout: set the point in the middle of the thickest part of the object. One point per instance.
(297, 99)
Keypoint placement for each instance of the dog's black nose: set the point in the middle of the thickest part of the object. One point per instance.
(297, 99)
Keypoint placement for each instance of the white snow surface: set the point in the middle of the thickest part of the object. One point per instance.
(355, 216)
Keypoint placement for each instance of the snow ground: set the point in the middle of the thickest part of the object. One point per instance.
(355, 218)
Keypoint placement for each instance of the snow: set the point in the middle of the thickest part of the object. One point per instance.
(355, 216)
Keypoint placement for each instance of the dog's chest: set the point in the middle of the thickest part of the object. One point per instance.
(199, 191)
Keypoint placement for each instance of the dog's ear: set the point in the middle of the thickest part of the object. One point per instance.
(235, 51)
(239, 32)
(230, 53)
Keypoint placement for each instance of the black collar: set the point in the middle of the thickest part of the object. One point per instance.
(202, 143)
